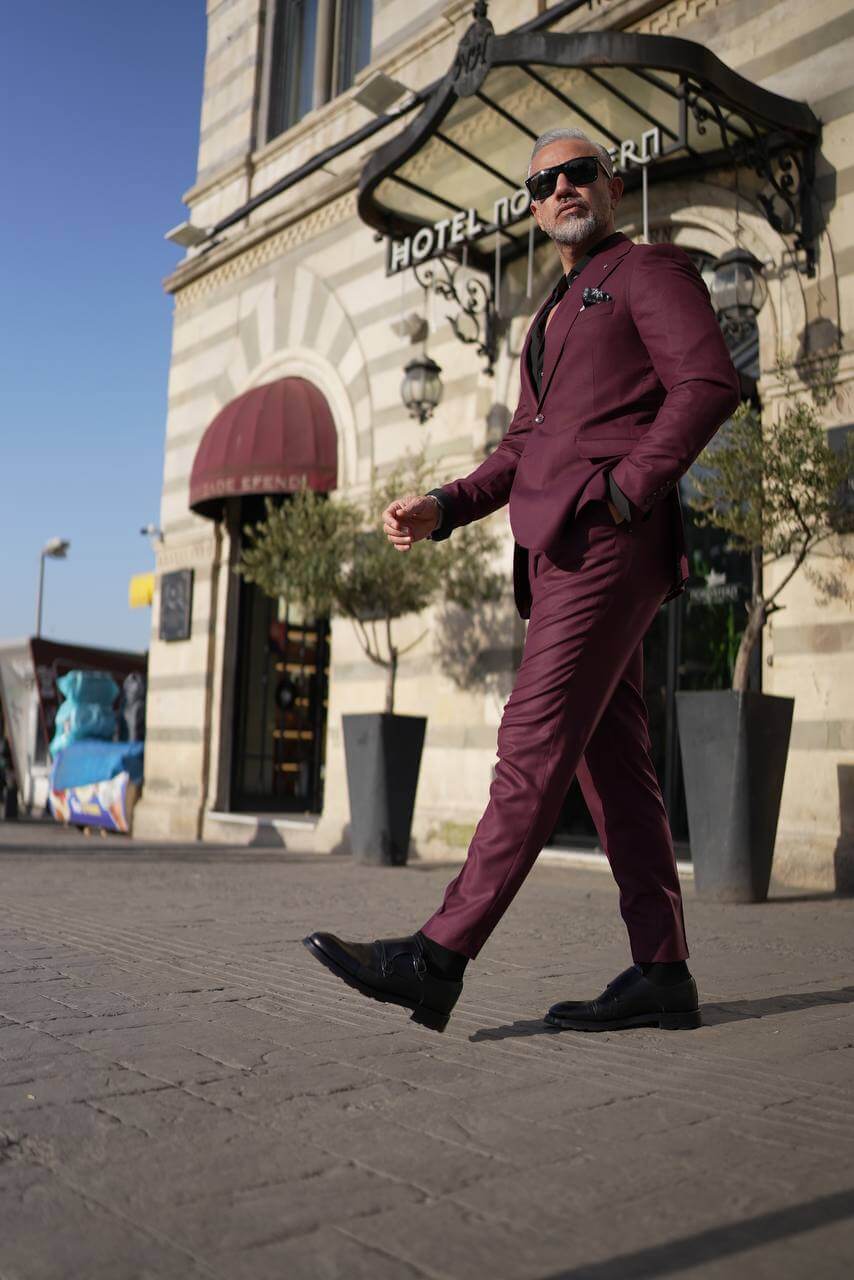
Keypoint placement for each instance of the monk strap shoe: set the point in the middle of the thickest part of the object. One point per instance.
(392, 970)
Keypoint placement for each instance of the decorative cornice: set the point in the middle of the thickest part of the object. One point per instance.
(231, 171)
(674, 17)
(264, 247)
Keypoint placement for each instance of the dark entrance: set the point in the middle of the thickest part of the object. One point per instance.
(281, 702)
(692, 642)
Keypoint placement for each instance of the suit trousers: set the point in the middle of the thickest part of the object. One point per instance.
(577, 709)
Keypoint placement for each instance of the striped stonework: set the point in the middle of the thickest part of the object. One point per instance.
(299, 289)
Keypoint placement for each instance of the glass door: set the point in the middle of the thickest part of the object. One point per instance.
(281, 707)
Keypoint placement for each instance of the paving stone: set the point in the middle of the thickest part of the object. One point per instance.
(208, 1101)
(260, 1216)
(445, 1239)
(327, 1254)
(229, 1159)
(433, 1164)
(23, 1041)
(84, 1239)
(45, 1084)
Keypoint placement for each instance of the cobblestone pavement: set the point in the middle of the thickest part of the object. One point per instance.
(184, 1092)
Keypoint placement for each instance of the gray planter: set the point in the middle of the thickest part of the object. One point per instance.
(383, 756)
(734, 748)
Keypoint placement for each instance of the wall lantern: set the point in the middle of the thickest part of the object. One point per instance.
(738, 291)
(421, 388)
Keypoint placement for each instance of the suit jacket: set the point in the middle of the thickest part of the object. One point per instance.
(633, 388)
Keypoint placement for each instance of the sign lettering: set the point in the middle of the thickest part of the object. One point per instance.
(465, 226)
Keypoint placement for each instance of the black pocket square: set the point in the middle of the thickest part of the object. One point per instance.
(591, 296)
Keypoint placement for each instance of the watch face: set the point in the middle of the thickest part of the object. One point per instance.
(176, 605)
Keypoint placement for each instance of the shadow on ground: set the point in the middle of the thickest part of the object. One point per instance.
(691, 1252)
(714, 1015)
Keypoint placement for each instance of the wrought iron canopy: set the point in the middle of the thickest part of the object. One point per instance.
(668, 99)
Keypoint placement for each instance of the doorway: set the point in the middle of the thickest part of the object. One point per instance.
(282, 693)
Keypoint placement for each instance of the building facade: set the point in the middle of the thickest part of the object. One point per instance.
(294, 292)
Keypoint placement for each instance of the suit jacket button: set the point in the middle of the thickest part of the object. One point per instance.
(539, 418)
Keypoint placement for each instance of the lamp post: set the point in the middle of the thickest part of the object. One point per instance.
(56, 549)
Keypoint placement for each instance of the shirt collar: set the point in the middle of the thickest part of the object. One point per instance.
(599, 247)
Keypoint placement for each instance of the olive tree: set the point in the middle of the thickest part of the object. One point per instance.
(777, 487)
(329, 556)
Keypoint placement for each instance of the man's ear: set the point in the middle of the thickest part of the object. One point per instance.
(534, 208)
(617, 189)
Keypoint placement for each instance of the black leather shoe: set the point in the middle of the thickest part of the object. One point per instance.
(393, 970)
(631, 1000)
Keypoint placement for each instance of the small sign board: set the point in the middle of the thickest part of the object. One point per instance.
(176, 604)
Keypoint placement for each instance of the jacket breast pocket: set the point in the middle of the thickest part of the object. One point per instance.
(600, 309)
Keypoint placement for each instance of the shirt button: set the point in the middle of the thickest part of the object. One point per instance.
(539, 418)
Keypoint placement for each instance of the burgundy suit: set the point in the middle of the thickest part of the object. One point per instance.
(634, 386)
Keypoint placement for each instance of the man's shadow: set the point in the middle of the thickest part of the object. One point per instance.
(714, 1014)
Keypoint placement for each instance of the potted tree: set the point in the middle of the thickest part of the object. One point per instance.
(332, 557)
(779, 490)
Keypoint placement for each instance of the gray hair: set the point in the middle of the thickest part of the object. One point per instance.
(578, 135)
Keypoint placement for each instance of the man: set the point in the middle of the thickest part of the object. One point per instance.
(625, 378)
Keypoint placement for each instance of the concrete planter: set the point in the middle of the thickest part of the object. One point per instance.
(734, 748)
(383, 757)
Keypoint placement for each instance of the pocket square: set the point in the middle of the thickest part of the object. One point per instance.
(591, 296)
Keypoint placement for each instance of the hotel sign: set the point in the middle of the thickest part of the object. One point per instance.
(465, 227)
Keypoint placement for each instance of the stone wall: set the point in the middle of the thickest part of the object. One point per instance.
(299, 287)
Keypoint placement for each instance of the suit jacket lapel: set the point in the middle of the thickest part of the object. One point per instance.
(596, 271)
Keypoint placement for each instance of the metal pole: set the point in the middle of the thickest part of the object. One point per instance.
(645, 205)
(497, 285)
(39, 596)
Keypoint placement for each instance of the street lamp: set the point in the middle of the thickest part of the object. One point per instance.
(153, 532)
(56, 549)
(421, 389)
(738, 291)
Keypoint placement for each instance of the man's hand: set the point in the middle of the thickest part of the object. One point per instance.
(409, 519)
(614, 512)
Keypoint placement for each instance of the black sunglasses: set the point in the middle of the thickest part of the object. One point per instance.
(581, 172)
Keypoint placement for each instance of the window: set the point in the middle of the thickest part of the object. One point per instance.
(293, 60)
(352, 41)
(317, 49)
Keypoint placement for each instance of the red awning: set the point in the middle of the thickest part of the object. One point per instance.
(272, 439)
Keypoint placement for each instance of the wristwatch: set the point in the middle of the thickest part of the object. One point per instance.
(438, 511)
(443, 526)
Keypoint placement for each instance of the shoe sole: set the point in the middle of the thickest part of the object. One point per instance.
(422, 1014)
(664, 1021)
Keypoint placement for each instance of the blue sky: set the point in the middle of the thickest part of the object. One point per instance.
(101, 105)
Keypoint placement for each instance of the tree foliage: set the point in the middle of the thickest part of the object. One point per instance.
(779, 490)
(331, 556)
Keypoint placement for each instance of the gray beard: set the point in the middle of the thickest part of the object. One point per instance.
(575, 230)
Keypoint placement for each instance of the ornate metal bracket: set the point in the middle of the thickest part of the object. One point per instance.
(787, 170)
(790, 207)
(477, 321)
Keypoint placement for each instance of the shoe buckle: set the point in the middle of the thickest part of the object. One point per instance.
(420, 966)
